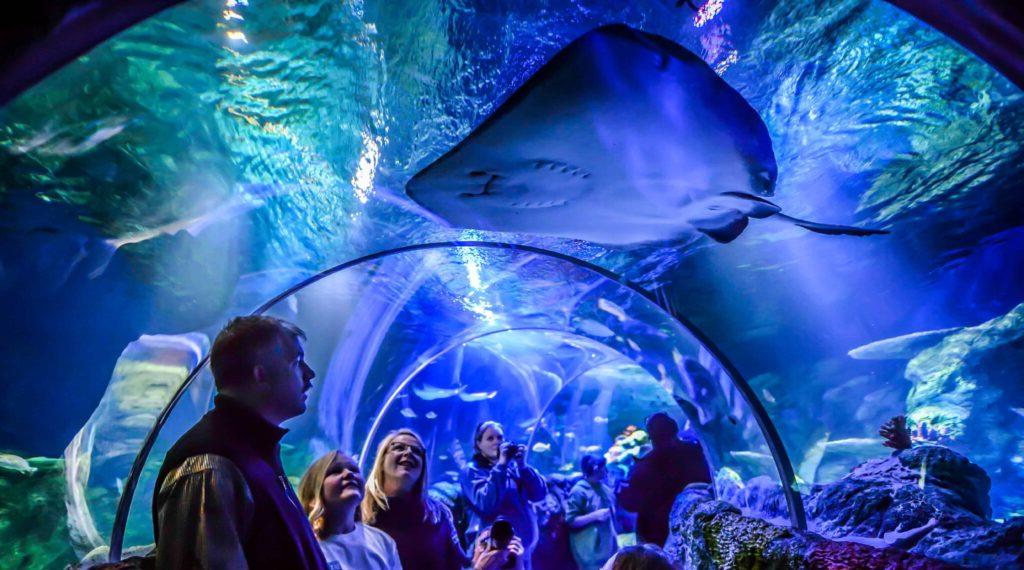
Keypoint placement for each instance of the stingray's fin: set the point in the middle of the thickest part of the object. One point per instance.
(728, 230)
(830, 229)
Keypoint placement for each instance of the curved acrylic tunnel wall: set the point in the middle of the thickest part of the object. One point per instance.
(439, 337)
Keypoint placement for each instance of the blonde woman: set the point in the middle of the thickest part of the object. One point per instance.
(397, 503)
(331, 491)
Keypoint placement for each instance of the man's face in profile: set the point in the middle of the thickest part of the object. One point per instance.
(288, 376)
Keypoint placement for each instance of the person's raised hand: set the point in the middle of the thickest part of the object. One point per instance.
(516, 548)
(506, 453)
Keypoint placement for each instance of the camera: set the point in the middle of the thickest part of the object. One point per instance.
(516, 451)
(502, 533)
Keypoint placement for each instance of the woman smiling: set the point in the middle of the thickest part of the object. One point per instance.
(397, 503)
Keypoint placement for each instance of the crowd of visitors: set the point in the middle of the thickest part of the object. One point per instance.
(223, 500)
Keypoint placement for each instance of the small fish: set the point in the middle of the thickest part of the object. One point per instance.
(430, 415)
(407, 412)
(1018, 411)
(429, 393)
(443, 457)
(768, 396)
(10, 462)
(632, 344)
(540, 447)
(612, 309)
(476, 396)
(600, 420)
(594, 328)
(591, 449)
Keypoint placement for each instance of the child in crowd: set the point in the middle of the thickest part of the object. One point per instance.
(331, 491)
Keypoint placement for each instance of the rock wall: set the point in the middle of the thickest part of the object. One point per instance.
(33, 522)
(925, 507)
(100, 456)
(706, 534)
(965, 392)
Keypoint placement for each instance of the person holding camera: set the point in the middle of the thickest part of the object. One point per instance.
(498, 548)
(497, 482)
(590, 513)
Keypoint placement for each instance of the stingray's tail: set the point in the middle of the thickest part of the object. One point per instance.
(830, 229)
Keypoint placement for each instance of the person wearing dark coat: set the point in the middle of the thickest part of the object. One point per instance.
(658, 477)
(223, 499)
(498, 483)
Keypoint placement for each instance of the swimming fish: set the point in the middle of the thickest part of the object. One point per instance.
(408, 412)
(600, 420)
(612, 309)
(622, 138)
(80, 247)
(428, 392)
(476, 396)
(540, 447)
(590, 448)
(50, 142)
(594, 328)
(430, 415)
(10, 462)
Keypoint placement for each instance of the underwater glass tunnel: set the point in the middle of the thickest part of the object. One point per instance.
(219, 158)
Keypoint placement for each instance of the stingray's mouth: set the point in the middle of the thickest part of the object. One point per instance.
(530, 185)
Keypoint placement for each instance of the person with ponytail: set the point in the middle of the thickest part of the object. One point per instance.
(499, 483)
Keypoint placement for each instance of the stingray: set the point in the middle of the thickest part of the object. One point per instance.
(622, 138)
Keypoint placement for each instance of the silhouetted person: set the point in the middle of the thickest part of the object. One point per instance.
(639, 557)
(223, 500)
(659, 476)
(590, 513)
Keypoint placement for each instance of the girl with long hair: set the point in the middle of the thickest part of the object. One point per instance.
(397, 503)
(331, 491)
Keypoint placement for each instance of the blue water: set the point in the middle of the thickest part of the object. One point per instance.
(280, 137)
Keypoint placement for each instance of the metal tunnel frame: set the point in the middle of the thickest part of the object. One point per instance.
(787, 476)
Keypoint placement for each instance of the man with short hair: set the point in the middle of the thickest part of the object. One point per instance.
(223, 500)
(658, 477)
